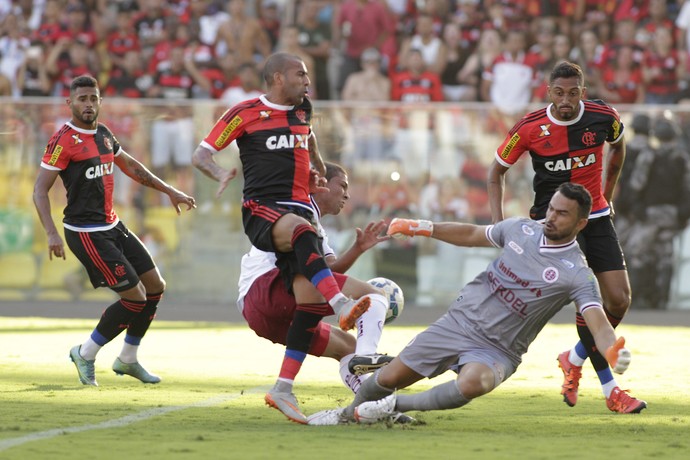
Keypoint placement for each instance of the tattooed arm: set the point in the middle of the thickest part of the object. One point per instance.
(138, 172)
(203, 160)
(614, 165)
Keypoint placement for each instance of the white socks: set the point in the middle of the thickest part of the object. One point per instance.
(89, 349)
(370, 325)
(128, 354)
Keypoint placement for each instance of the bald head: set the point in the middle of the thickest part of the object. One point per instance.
(278, 63)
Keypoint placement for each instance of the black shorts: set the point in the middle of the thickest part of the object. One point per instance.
(113, 258)
(599, 242)
(258, 217)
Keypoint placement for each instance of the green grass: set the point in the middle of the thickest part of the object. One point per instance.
(210, 403)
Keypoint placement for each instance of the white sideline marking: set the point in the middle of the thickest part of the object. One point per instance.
(122, 421)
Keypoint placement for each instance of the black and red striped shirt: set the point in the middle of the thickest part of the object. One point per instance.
(86, 161)
(274, 147)
(564, 151)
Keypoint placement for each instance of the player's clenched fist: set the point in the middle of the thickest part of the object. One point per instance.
(618, 356)
(403, 228)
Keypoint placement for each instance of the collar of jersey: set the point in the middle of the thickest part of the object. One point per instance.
(81, 130)
(544, 247)
(275, 106)
(565, 123)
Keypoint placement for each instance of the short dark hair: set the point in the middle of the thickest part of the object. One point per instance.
(83, 81)
(277, 63)
(567, 69)
(334, 169)
(580, 194)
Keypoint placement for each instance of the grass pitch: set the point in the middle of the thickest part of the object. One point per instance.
(210, 403)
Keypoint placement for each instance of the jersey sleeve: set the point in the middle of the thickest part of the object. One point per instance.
(57, 153)
(617, 128)
(585, 291)
(117, 148)
(228, 128)
(513, 146)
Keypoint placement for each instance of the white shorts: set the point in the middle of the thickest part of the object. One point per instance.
(172, 142)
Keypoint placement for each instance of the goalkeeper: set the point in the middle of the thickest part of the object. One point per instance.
(496, 316)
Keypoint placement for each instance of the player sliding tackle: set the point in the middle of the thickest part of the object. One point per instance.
(496, 316)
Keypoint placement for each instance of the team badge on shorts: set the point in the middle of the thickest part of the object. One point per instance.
(120, 271)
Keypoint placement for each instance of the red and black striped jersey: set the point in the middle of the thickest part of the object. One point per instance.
(274, 147)
(564, 151)
(85, 159)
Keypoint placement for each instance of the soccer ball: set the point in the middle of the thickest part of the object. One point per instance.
(394, 294)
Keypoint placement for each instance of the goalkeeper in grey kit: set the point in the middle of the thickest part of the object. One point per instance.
(496, 316)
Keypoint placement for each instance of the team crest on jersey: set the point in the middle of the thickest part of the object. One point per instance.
(265, 114)
(301, 115)
(545, 130)
(55, 155)
(527, 230)
(77, 139)
(589, 138)
(550, 275)
(108, 144)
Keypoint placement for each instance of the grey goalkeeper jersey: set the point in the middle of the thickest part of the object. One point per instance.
(512, 300)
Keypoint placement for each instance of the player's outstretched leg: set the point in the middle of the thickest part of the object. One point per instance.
(571, 377)
(85, 367)
(135, 370)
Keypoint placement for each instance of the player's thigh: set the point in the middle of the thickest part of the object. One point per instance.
(615, 290)
(284, 229)
(340, 344)
(357, 288)
(103, 258)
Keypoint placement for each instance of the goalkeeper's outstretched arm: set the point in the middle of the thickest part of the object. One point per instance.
(456, 233)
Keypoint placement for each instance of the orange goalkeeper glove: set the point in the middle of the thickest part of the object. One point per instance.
(618, 356)
(403, 228)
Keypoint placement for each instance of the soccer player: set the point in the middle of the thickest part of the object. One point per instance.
(276, 144)
(84, 152)
(496, 316)
(268, 306)
(566, 142)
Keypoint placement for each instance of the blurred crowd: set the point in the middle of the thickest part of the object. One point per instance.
(500, 51)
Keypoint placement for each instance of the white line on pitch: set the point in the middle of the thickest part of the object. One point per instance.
(122, 421)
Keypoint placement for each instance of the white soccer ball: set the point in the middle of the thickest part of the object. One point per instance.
(394, 294)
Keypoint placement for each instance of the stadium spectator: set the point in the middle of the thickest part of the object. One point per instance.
(204, 18)
(243, 35)
(83, 153)
(67, 60)
(49, 30)
(315, 39)
(223, 75)
(662, 70)
(289, 43)
(588, 54)
(433, 49)
(277, 216)
(622, 82)
(359, 24)
(151, 25)
(128, 79)
(5, 86)
(32, 75)
(14, 41)
(510, 81)
(661, 213)
(657, 18)
(269, 16)
(416, 83)
(558, 155)
(124, 38)
(625, 35)
(172, 132)
(485, 333)
(249, 87)
(458, 52)
(369, 84)
(488, 49)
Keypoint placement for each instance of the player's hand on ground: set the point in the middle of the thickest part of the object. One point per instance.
(55, 247)
(403, 228)
(317, 183)
(618, 356)
(224, 178)
(371, 235)
(178, 198)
